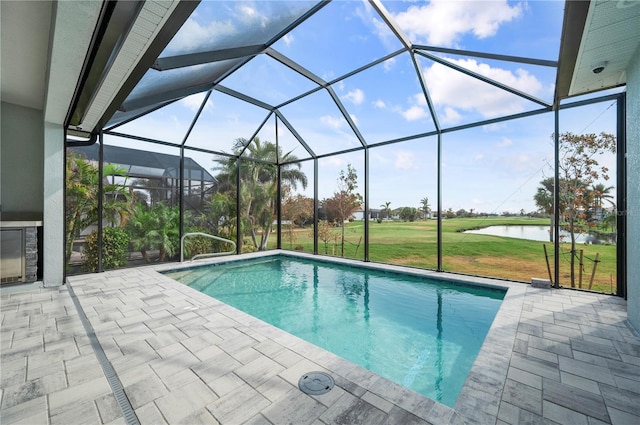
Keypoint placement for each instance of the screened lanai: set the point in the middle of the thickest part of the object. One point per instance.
(445, 118)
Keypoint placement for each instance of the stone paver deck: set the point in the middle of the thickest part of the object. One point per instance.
(551, 356)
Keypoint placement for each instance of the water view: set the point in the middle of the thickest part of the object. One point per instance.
(535, 233)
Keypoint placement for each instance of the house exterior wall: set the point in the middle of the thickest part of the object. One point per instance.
(21, 171)
(633, 190)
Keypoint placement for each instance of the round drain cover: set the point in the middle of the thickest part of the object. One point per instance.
(315, 383)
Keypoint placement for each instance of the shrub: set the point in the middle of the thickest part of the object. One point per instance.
(195, 245)
(248, 246)
(115, 244)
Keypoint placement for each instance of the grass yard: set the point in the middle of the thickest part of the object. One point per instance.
(414, 244)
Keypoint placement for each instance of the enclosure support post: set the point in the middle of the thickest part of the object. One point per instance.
(238, 218)
(556, 198)
(315, 206)
(279, 206)
(366, 204)
(181, 198)
(100, 197)
(621, 199)
(439, 203)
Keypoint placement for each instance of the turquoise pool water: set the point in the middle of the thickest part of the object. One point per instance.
(423, 334)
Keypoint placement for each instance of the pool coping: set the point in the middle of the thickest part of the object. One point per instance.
(480, 396)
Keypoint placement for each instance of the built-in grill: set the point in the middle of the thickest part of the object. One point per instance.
(19, 248)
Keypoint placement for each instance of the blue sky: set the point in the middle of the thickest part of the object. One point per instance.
(492, 168)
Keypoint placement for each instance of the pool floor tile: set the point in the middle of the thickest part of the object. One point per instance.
(553, 356)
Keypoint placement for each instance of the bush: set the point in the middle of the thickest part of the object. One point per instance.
(195, 245)
(115, 244)
(247, 246)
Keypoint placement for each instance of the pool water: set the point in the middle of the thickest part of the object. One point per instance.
(423, 334)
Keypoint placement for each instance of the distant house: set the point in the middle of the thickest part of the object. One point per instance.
(373, 214)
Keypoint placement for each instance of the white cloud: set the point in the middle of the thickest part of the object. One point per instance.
(494, 127)
(458, 91)
(354, 119)
(288, 39)
(414, 113)
(505, 142)
(450, 116)
(405, 160)
(419, 99)
(445, 22)
(388, 64)
(192, 35)
(194, 101)
(332, 121)
(355, 96)
(248, 12)
(379, 104)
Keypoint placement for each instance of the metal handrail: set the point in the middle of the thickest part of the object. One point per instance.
(212, 254)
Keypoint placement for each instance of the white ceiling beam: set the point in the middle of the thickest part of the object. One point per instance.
(73, 24)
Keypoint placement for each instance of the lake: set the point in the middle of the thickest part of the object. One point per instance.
(533, 233)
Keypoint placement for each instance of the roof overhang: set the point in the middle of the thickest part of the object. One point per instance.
(127, 41)
(599, 37)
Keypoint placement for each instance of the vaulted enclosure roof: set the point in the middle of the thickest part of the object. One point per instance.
(337, 76)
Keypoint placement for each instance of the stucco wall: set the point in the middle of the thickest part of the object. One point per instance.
(22, 159)
(633, 190)
(53, 230)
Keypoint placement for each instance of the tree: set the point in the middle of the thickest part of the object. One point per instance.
(258, 172)
(155, 228)
(297, 211)
(82, 178)
(344, 201)
(408, 214)
(386, 209)
(598, 194)
(425, 206)
(579, 169)
(544, 201)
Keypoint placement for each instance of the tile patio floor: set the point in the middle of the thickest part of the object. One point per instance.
(551, 356)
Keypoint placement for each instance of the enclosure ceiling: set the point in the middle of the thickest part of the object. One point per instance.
(340, 76)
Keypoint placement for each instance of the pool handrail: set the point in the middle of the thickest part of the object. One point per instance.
(212, 254)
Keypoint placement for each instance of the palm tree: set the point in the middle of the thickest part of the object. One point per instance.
(258, 173)
(386, 209)
(82, 197)
(425, 206)
(155, 228)
(601, 193)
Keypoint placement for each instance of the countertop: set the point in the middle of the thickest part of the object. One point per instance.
(17, 220)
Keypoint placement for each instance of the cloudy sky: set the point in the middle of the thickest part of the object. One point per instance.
(492, 168)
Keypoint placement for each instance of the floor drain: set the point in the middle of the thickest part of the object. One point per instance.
(315, 383)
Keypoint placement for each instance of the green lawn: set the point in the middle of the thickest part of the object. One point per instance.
(414, 244)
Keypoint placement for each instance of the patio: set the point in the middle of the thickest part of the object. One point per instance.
(178, 356)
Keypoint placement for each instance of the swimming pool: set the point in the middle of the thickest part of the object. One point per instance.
(421, 333)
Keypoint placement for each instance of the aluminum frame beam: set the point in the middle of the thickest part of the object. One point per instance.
(191, 59)
(483, 78)
(244, 97)
(295, 133)
(484, 55)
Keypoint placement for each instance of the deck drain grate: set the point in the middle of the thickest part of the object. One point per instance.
(315, 383)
